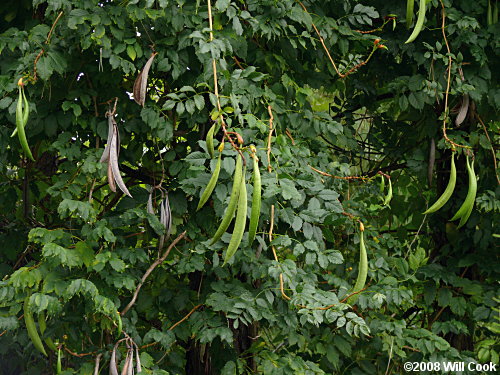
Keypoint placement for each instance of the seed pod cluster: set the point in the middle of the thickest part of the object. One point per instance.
(165, 217)
(238, 201)
(128, 367)
(467, 206)
(465, 209)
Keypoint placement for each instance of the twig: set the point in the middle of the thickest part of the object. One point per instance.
(363, 178)
(79, 355)
(447, 92)
(186, 317)
(271, 129)
(46, 42)
(149, 270)
(492, 149)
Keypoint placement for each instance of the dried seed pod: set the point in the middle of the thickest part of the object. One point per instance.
(97, 363)
(432, 160)
(113, 369)
(464, 108)
(149, 205)
(165, 220)
(138, 368)
(141, 82)
(113, 161)
(105, 154)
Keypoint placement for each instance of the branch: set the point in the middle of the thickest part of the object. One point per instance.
(150, 269)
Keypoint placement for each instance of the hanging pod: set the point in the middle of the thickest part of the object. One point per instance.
(409, 12)
(388, 197)
(210, 141)
(233, 202)
(165, 219)
(441, 201)
(240, 221)
(22, 113)
(465, 209)
(256, 198)
(362, 267)
(207, 192)
(42, 324)
(141, 82)
(31, 328)
(420, 22)
(110, 156)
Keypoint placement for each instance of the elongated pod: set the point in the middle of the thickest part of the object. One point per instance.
(420, 22)
(471, 195)
(256, 199)
(233, 202)
(409, 12)
(42, 324)
(388, 197)
(20, 124)
(362, 267)
(25, 111)
(211, 184)
(31, 327)
(239, 223)
(210, 141)
(59, 365)
(441, 201)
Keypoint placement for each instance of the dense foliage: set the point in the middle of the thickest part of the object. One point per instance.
(75, 251)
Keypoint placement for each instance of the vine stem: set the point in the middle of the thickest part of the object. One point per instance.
(46, 42)
(448, 81)
(271, 129)
(216, 89)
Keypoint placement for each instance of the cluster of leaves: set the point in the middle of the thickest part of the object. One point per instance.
(80, 250)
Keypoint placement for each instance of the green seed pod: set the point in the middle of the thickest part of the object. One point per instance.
(409, 12)
(59, 365)
(362, 268)
(20, 116)
(419, 24)
(448, 191)
(470, 199)
(239, 223)
(31, 328)
(388, 197)
(256, 201)
(471, 193)
(211, 184)
(42, 324)
(233, 201)
(210, 141)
